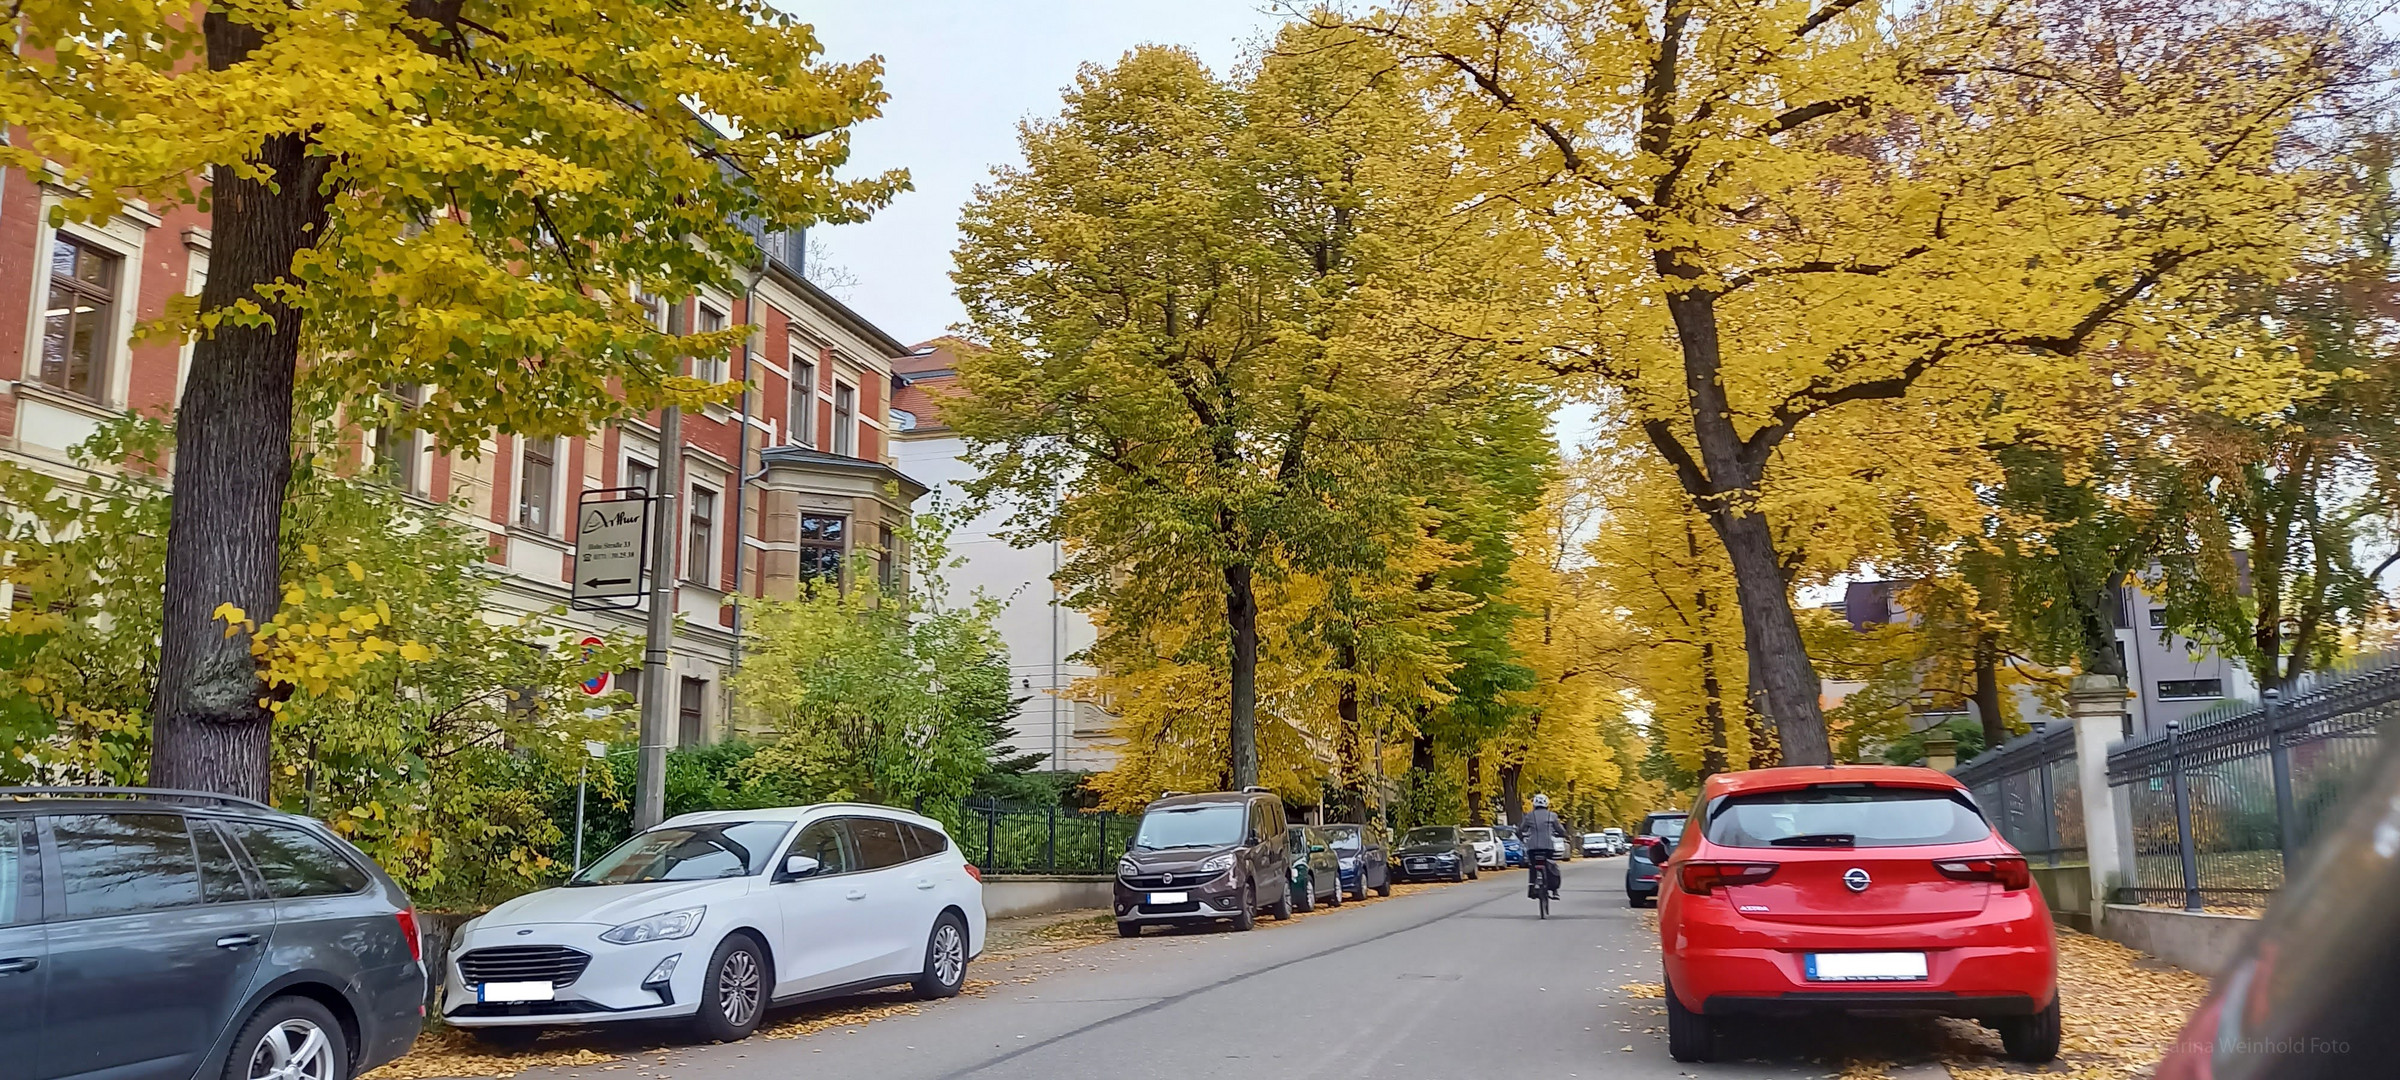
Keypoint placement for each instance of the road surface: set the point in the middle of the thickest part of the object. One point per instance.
(1454, 981)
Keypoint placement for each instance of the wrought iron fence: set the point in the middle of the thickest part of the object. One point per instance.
(2030, 790)
(1047, 840)
(2220, 808)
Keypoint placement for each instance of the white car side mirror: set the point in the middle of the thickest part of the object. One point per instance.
(800, 866)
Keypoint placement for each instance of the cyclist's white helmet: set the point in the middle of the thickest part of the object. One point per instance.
(1541, 802)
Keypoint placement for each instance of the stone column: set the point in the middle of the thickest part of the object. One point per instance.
(2097, 705)
(1941, 750)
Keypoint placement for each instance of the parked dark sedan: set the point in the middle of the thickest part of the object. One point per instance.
(1430, 852)
(1641, 862)
(1316, 870)
(1365, 858)
(166, 935)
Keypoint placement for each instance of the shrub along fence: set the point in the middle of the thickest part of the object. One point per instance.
(2210, 812)
(1041, 840)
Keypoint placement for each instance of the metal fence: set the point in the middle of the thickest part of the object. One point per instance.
(2212, 811)
(1003, 840)
(2032, 793)
(2221, 807)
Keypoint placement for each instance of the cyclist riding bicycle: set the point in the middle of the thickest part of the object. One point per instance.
(1541, 833)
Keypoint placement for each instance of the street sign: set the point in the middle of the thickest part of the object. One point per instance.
(597, 684)
(612, 531)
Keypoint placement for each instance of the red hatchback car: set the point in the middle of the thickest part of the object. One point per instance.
(1852, 888)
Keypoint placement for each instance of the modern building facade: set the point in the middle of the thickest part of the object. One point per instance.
(788, 485)
(1045, 638)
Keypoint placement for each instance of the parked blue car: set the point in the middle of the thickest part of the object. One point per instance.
(1365, 858)
(1512, 849)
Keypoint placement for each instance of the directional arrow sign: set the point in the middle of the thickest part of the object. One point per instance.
(611, 539)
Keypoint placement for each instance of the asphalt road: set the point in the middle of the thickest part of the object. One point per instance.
(1454, 981)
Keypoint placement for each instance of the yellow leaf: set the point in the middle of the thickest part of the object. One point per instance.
(415, 653)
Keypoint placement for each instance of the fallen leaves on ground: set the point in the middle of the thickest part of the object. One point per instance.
(1645, 990)
(451, 1052)
(2121, 1010)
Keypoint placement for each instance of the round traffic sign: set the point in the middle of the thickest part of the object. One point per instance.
(597, 684)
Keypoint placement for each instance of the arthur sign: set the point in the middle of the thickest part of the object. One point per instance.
(611, 538)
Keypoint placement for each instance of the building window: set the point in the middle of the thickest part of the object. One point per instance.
(537, 486)
(399, 450)
(699, 546)
(2158, 618)
(887, 570)
(641, 474)
(690, 701)
(845, 420)
(2171, 689)
(710, 368)
(821, 547)
(78, 324)
(803, 422)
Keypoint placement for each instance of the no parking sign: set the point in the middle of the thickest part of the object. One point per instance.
(597, 684)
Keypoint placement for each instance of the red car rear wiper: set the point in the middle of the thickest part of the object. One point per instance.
(1820, 839)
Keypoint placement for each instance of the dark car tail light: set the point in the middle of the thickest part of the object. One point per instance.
(408, 929)
(2010, 872)
(1701, 877)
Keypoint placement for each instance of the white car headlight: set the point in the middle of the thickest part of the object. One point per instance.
(1128, 868)
(662, 927)
(1217, 864)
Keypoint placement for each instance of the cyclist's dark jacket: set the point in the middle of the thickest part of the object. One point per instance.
(1537, 829)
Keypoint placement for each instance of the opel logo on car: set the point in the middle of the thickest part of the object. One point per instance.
(1855, 879)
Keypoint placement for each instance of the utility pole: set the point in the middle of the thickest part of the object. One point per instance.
(650, 767)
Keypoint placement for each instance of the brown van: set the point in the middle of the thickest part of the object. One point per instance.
(1218, 857)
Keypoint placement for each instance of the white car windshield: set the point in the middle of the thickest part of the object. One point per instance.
(1477, 836)
(688, 853)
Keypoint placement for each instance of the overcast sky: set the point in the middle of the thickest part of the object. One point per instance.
(962, 73)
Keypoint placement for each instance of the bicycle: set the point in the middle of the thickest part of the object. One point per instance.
(1537, 878)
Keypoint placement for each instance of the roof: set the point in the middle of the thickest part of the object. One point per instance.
(805, 457)
(929, 374)
(935, 356)
(1204, 798)
(1790, 777)
(924, 401)
(791, 813)
(839, 312)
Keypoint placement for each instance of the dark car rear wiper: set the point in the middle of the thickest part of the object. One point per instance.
(1819, 839)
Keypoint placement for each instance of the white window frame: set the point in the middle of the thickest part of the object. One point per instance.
(557, 473)
(124, 237)
(716, 519)
(845, 426)
(802, 428)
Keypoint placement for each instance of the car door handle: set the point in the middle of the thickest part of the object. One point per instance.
(855, 894)
(236, 941)
(17, 965)
(925, 883)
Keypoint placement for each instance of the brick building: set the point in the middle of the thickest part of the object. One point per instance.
(812, 483)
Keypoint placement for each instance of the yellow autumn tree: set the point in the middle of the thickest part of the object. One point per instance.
(1758, 216)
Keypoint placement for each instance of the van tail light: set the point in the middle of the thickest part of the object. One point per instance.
(2010, 873)
(973, 872)
(1700, 878)
(408, 929)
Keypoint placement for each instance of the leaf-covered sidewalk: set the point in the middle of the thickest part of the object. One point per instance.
(2122, 1009)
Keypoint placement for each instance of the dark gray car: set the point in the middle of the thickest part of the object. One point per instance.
(1641, 867)
(156, 935)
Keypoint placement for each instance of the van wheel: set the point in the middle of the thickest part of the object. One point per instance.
(289, 1037)
(733, 991)
(1246, 912)
(1689, 1034)
(506, 1038)
(2031, 1038)
(945, 959)
(1283, 905)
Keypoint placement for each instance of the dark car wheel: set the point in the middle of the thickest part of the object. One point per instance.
(1690, 1036)
(1335, 900)
(1384, 889)
(1304, 898)
(1246, 912)
(289, 1038)
(733, 991)
(1283, 905)
(2031, 1038)
(507, 1038)
(945, 959)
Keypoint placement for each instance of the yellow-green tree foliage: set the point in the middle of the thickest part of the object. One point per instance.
(1759, 217)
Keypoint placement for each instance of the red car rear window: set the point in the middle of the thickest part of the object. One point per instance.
(1845, 815)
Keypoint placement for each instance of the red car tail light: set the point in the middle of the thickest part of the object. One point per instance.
(1701, 877)
(2010, 873)
(973, 872)
(408, 929)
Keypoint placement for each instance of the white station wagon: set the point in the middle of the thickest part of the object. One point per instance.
(717, 916)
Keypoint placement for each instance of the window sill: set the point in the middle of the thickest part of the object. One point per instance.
(68, 400)
(545, 539)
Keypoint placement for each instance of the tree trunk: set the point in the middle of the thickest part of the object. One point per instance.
(1764, 752)
(1353, 741)
(1475, 789)
(1510, 773)
(1713, 755)
(233, 462)
(1241, 617)
(1987, 689)
(1772, 635)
